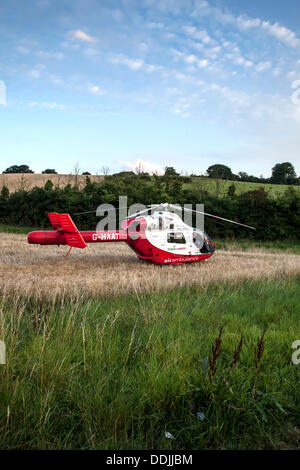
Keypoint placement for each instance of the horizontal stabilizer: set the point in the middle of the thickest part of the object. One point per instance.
(64, 223)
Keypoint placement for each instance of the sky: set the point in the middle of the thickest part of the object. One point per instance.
(122, 84)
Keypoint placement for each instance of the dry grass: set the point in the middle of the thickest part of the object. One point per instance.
(23, 181)
(111, 269)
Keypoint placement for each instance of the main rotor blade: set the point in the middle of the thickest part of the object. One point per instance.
(216, 217)
(94, 212)
(142, 212)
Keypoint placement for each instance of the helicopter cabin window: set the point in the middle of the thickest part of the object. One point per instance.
(176, 237)
(160, 223)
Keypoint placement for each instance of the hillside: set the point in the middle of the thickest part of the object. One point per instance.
(26, 181)
(220, 187)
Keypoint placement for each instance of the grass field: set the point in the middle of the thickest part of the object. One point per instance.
(106, 352)
(120, 373)
(220, 188)
(109, 269)
(26, 181)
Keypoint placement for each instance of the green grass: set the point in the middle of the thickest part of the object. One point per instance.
(118, 373)
(286, 246)
(16, 229)
(220, 187)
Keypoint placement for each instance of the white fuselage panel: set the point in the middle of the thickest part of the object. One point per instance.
(167, 231)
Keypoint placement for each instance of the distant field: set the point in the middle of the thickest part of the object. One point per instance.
(220, 187)
(15, 182)
(23, 181)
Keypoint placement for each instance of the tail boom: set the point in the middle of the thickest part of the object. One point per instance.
(66, 233)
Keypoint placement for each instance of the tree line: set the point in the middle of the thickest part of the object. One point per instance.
(282, 173)
(275, 218)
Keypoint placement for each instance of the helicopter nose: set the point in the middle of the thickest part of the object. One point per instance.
(209, 244)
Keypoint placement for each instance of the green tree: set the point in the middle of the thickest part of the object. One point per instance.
(5, 192)
(231, 191)
(49, 171)
(18, 169)
(218, 171)
(283, 173)
(170, 171)
(48, 185)
(243, 176)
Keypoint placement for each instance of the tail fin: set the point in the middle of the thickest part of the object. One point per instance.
(65, 224)
(54, 219)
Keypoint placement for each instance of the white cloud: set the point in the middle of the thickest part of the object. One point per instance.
(244, 23)
(143, 47)
(180, 112)
(134, 64)
(56, 80)
(153, 25)
(212, 52)
(239, 60)
(23, 50)
(51, 55)
(34, 73)
(202, 63)
(145, 166)
(46, 105)
(198, 34)
(276, 71)
(263, 66)
(247, 23)
(282, 33)
(79, 34)
(234, 96)
(96, 90)
(190, 59)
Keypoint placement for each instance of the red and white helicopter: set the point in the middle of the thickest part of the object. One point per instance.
(160, 238)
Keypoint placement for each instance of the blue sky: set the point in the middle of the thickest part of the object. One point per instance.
(122, 83)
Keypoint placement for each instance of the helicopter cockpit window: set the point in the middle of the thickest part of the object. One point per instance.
(198, 240)
(176, 237)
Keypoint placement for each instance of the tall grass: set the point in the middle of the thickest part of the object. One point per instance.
(117, 373)
(283, 246)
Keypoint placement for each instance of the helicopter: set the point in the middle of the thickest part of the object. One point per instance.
(160, 238)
